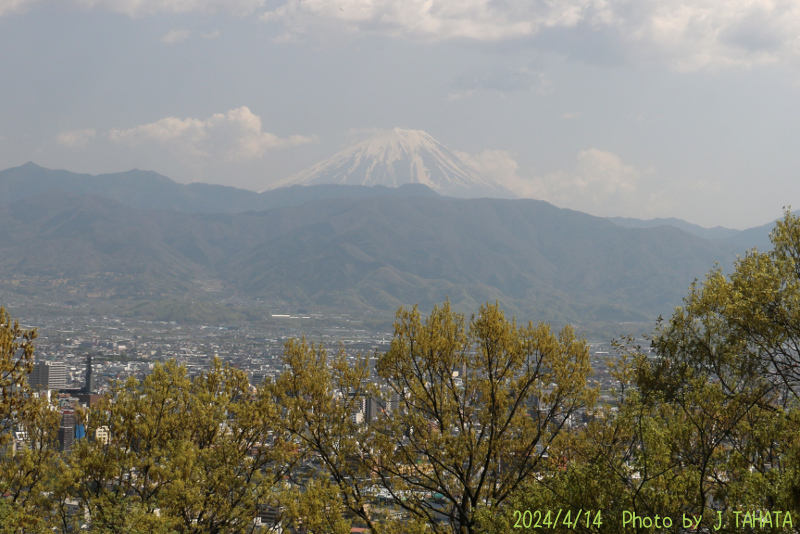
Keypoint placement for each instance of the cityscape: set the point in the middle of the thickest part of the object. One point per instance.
(399, 267)
(78, 362)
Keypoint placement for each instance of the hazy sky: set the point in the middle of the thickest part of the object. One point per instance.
(639, 108)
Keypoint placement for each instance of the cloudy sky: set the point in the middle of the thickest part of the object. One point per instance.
(639, 108)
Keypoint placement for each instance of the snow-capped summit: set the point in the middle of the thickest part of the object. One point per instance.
(398, 157)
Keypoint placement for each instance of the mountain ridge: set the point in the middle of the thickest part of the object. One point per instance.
(144, 189)
(365, 255)
(355, 248)
(717, 232)
(150, 190)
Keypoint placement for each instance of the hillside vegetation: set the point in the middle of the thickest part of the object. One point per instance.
(367, 255)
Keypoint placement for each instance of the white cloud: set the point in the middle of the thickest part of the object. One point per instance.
(685, 34)
(600, 183)
(76, 138)
(235, 136)
(497, 165)
(708, 33)
(485, 20)
(601, 175)
(14, 6)
(138, 8)
(211, 35)
(175, 35)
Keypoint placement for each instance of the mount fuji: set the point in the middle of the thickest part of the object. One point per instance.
(398, 157)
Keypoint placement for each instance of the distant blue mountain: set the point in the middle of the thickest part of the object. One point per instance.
(369, 250)
(757, 237)
(150, 190)
(718, 232)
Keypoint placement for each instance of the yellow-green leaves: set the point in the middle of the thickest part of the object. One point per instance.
(468, 409)
(184, 455)
(28, 426)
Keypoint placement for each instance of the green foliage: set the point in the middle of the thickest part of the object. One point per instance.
(728, 362)
(365, 256)
(451, 445)
(27, 464)
(318, 397)
(711, 422)
(183, 455)
(474, 425)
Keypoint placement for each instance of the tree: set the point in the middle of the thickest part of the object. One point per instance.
(712, 419)
(469, 413)
(28, 435)
(736, 343)
(318, 396)
(183, 455)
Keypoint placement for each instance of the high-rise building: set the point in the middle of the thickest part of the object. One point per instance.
(394, 403)
(375, 408)
(371, 411)
(66, 431)
(48, 375)
(359, 405)
(88, 386)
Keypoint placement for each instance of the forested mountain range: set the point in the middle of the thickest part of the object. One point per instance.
(745, 239)
(150, 190)
(354, 249)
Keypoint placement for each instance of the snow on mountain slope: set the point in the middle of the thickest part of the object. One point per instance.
(397, 157)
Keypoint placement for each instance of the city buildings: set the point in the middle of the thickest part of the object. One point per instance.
(48, 375)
